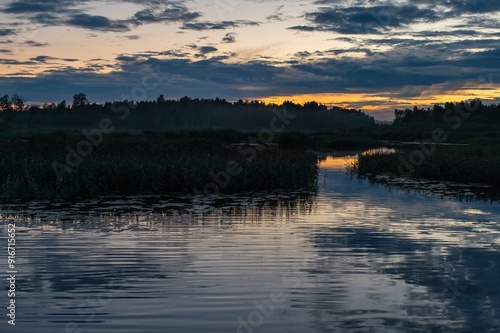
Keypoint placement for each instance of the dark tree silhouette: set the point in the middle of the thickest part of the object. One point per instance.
(18, 102)
(80, 100)
(190, 113)
(62, 105)
(469, 112)
(5, 103)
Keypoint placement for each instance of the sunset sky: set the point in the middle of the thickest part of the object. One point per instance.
(366, 54)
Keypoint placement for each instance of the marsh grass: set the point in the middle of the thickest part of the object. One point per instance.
(130, 165)
(461, 165)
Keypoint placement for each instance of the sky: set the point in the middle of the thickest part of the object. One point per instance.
(365, 54)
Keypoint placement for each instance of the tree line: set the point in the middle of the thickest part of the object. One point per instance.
(475, 112)
(177, 114)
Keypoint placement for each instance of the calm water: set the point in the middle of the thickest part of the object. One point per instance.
(352, 258)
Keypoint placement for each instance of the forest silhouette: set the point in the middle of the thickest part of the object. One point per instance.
(180, 114)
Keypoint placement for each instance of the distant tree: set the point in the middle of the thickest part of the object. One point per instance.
(80, 100)
(160, 99)
(18, 102)
(62, 105)
(314, 106)
(5, 103)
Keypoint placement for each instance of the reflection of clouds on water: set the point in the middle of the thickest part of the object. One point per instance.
(438, 256)
(371, 271)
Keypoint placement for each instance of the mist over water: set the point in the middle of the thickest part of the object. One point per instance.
(353, 257)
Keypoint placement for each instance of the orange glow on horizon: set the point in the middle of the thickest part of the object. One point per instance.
(384, 101)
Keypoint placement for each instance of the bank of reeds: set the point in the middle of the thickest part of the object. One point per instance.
(455, 166)
(131, 165)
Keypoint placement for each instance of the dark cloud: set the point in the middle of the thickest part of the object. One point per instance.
(35, 44)
(172, 53)
(366, 51)
(29, 7)
(132, 37)
(303, 54)
(168, 12)
(277, 15)
(7, 32)
(46, 19)
(218, 25)
(480, 22)
(44, 59)
(365, 20)
(472, 6)
(94, 22)
(5, 61)
(440, 33)
(207, 49)
(71, 12)
(229, 38)
(126, 58)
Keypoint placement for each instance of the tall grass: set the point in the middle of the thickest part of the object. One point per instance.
(131, 165)
(466, 166)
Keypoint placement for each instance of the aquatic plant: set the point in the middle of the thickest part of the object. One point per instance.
(131, 165)
(445, 165)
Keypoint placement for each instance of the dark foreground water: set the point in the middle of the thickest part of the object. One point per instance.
(351, 258)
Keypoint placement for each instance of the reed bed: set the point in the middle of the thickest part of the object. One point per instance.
(130, 165)
(461, 167)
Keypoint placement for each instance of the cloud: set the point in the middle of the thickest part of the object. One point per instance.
(440, 33)
(168, 12)
(5, 61)
(472, 6)
(365, 20)
(46, 19)
(207, 49)
(35, 44)
(199, 26)
(94, 22)
(229, 38)
(29, 7)
(132, 37)
(44, 59)
(277, 15)
(172, 53)
(7, 32)
(72, 13)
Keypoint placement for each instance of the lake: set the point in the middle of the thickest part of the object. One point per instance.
(353, 257)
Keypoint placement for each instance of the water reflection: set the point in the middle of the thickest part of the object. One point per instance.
(353, 257)
(147, 211)
(441, 189)
(436, 287)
